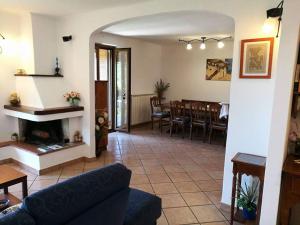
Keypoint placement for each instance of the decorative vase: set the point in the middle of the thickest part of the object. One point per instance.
(74, 102)
(249, 215)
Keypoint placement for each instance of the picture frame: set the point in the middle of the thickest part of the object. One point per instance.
(256, 58)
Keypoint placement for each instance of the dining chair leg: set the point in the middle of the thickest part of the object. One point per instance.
(152, 121)
(210, 133)
(171, 129)
(183, 130)
(191, 132)
(204, 133)
(160, 124)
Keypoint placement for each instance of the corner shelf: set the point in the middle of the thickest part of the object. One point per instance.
(39, 75)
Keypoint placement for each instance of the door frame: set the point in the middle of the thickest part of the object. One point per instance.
(128, 89)
(113, 83)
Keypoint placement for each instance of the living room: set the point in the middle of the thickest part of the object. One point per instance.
(259, 108)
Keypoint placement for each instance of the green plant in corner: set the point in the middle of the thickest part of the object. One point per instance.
(248, 200)
(161, 87)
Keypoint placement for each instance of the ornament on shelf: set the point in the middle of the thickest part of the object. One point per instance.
(14, 99)
(57, 69)
(77, 137)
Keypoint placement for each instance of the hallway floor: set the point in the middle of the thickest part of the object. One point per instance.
(186, 174)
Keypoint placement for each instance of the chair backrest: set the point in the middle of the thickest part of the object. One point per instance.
(214, 112)
(198, 111)
(154, 102)
(177, 109)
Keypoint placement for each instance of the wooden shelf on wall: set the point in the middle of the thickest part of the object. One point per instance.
(47, 111)
(39, 75)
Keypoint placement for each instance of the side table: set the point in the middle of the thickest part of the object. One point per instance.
(8, 177)
(249, 165)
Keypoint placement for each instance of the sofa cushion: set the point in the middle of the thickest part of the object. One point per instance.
(19, 217)
(143, 208)
(59, 203)
(109, 212)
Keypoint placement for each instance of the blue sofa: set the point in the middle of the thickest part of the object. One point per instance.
(99, 197)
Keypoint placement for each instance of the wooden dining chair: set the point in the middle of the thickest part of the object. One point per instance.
(179, 117)
(199, 118)
(158, 113)
(215, 123)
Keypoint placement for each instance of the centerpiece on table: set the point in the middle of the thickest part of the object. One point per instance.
(73, 98)
(248, 200)
(101, 131)
(160, 88)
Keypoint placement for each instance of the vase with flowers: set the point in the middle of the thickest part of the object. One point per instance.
(73, 98)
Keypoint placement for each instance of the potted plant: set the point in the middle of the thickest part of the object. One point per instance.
(248, 200)
(73, 98)
(101, 131)
(160, 88)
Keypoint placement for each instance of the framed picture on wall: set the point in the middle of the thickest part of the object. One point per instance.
(256, 58)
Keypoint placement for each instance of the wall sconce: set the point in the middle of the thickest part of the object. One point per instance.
(274, 16)
(1, 40)
(202, 40)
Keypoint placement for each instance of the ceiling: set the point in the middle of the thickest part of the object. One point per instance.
(60, 7)
(169, 27)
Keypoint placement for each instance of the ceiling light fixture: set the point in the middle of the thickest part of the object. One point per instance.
(221, 44)
(189, 46)
(274, 15)
(203, 45)
(202, 40)
(2, 38)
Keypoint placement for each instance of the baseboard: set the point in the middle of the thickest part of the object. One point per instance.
(49, 169)
(225, 207)
(140, 124)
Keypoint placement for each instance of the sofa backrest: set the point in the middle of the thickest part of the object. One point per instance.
(60, 203)
(19, 217)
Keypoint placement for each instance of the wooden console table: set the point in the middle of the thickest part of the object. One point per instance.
(249, 165)
(290, 191)
(9, 177)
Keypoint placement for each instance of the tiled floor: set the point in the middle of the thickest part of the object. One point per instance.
(186, 174)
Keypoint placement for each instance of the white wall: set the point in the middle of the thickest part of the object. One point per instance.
(183, 68)
(9, 60)
(145, 60)
(45, 43)
(251, 100)
(277, 146)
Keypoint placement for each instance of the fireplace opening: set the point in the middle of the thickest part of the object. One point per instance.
(43, 133)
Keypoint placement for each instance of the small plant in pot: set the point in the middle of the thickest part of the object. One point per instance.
(248, 200)
(160, 88)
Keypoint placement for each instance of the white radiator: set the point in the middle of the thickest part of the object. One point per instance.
(140, 108)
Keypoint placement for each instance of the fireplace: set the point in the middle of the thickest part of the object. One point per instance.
(42, 133)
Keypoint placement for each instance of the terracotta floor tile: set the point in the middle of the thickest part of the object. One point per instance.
(173, 168)
(209, 185)
(179, 177)
(139, 179)
(70, 173)
(159, 178)
(178, 216)
(154, 169)
(184, 187)
(196, 198)
(143, 187)
(41, 184)
(162, 220)
(172, 200)
(207, 213)
(199, 175)
(164, 188)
